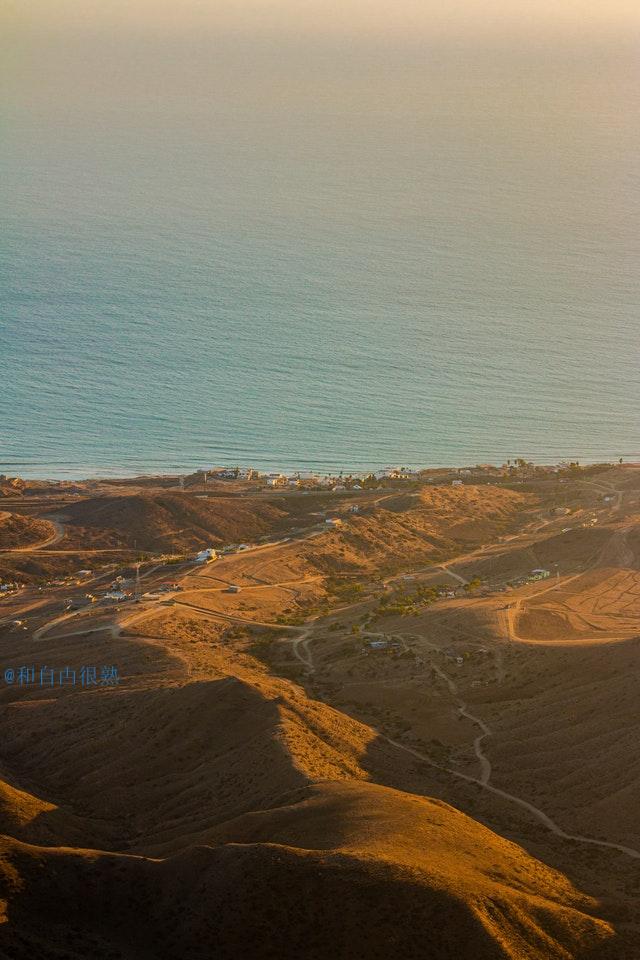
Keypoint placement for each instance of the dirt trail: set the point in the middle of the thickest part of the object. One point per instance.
(483, 780)
(301, 649)
(55, 537)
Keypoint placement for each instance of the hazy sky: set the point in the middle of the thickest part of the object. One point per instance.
(324, 17)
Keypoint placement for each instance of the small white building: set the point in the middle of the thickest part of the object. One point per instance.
(206, 556)
(456, 483)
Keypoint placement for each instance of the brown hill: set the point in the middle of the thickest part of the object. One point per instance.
(433, 523)
(170, 521)
(21, 531)
(350, 870)
(186, 753)
(302, 856)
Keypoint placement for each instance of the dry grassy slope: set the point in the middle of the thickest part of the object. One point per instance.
(574, 550)
(156, 767)
(418, 528)
(304, 857)
(171, 520)
(565, 727)
(346, 870)
(410, 524)
(20, 531)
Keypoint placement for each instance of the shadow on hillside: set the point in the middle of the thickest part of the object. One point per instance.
(611, 879)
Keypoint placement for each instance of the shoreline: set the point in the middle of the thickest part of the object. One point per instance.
(305, 472)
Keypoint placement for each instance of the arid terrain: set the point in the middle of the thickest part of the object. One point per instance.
(392, 722)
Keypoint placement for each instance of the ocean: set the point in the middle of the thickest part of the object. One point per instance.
(329, 262)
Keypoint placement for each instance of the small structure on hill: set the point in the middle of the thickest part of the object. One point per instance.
(377, 645)
(206, 556)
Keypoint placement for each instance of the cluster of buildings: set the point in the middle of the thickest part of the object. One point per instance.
(308, 479)
(516, 470)
(230, 473)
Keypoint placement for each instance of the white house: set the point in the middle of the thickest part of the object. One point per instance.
(206, 556)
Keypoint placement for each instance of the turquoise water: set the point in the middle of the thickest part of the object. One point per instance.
(409, 264)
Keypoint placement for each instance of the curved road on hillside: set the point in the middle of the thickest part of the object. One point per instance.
(55, 537)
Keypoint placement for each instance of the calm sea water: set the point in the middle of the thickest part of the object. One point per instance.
(340, 267)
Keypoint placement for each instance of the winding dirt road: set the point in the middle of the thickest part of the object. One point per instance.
(483, 780)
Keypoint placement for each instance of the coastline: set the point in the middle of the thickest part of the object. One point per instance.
(156, 472)
(87, 474)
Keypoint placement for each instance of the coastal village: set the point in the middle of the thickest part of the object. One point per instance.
(517, 470)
